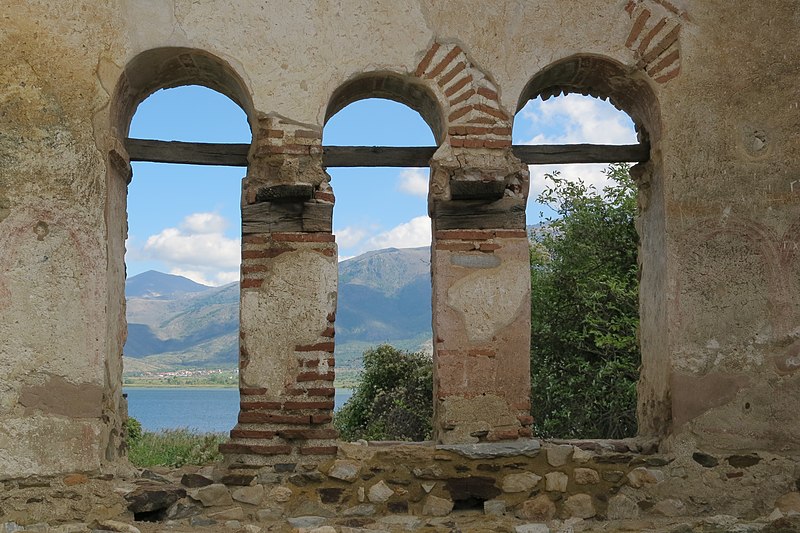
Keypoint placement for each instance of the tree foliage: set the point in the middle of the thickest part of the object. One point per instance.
(584, 310)
(393, 399)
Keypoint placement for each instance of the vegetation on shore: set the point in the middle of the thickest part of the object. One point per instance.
(175, 447)
(393, 399)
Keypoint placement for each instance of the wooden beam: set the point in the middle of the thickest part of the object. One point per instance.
(233, 155)
(377, 156)
(559, 154)
(380, 156)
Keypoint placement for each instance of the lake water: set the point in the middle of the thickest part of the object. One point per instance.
(204, 410)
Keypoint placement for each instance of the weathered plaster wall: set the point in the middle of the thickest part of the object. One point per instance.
(721, 318)
(731, 124)
(60, 386)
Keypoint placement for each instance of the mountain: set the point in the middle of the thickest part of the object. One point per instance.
(153, 284)
(384, 296)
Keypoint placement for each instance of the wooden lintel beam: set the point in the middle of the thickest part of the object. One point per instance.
(233, 155)
(559, 154)
(377, 156)
(380, 156)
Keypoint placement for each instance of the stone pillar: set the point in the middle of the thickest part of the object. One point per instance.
(481, 296)
(288, 302)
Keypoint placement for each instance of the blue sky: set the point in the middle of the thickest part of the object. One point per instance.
(184, 219)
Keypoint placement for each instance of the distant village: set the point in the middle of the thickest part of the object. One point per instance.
(184, 377)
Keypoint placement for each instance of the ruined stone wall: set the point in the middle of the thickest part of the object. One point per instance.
(713, 88)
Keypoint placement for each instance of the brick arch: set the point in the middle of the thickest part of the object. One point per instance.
(169, 67)
(474, 117)
(625, 87)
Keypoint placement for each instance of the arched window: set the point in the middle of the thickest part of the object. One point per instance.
(585, 353)
(630, 92)
(171, 228)
(384, 234)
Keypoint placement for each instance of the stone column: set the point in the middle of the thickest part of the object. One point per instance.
(288, 302)
(481, 296)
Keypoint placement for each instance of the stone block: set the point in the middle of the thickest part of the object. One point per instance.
(435, 506)
(494, 507)
(558, 455)
(379, 492)
(639, 477)
(789, 502)
(579, 506)
(119, 527)
(250, 495)
(579, 455)
(234, 513)
(556, 482)
(538, 508)
(621, 507)
(669, 507)
(280, 494)
(586, 476)
(308, 522)
(216, 495)
(345, 470)
(195, 481)
(364, 509)
(532, 528)
(520, 482)
(323, 529)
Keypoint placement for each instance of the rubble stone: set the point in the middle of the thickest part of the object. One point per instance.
(520, 482)
(216, 495)
(586, 476)
(579, 506)
(380, 492)
(556, 482)
(435, 506)
(540, 508)
(621, 507)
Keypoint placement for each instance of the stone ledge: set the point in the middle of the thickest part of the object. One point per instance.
(490, 450)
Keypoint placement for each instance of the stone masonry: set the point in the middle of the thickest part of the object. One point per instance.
(712, 88)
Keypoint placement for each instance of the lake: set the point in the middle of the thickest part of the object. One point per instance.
(201, 409)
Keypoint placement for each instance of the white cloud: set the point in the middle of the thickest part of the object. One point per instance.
(416, 232)
(572, 119)
(578, 119)
(197, 249)
(350, 236)
(204, 223)
(413, 181)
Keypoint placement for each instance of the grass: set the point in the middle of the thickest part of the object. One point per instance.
(174, 447)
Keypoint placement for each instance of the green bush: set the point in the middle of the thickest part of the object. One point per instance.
(174, 447)
(584, 311)
(133, 430)
(393, 399)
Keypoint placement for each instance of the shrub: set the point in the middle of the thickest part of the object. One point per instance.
(133, 430)
(174, 447)
(393, 399)
(584, 311)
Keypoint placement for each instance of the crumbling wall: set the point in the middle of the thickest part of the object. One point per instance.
(714, 90)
